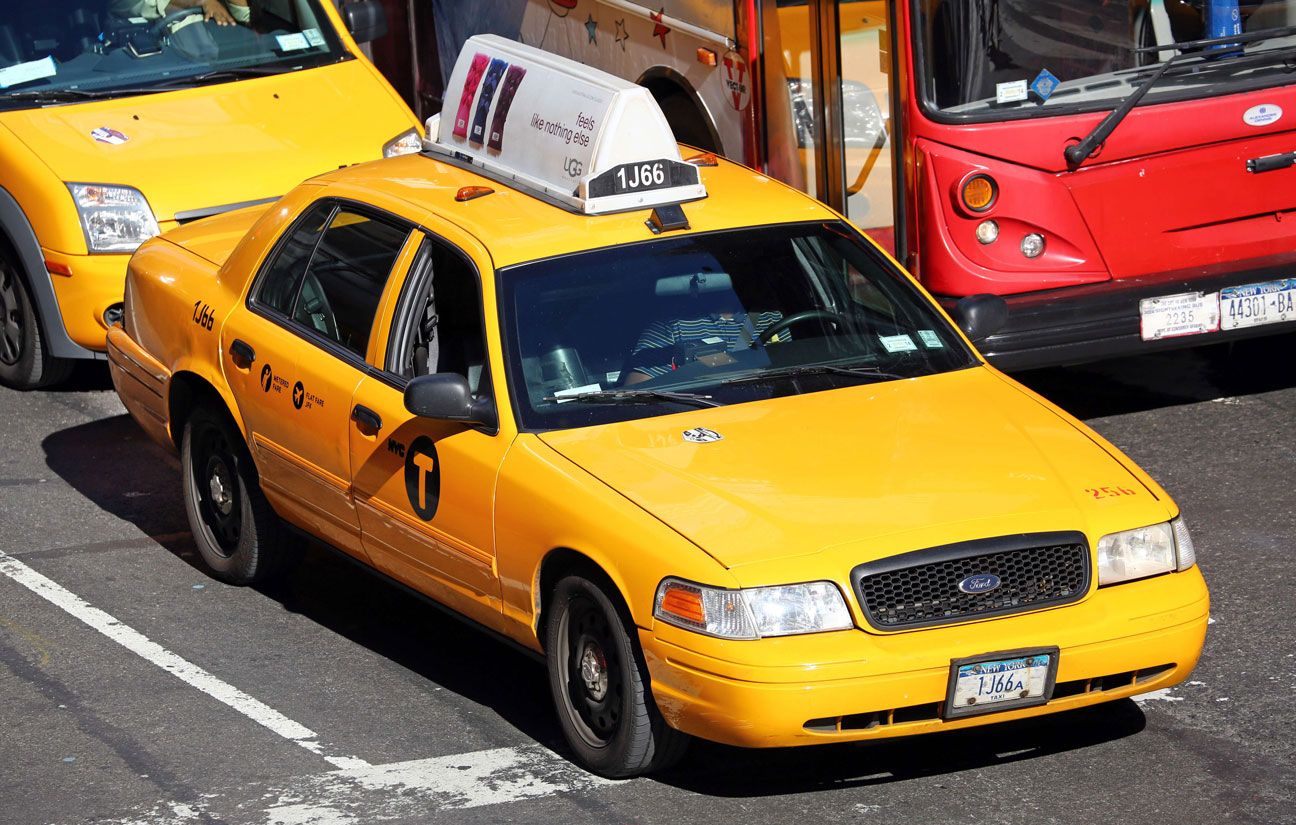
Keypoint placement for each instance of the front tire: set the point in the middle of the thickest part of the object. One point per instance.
(600, 684)
(25, 363)
(237, 532)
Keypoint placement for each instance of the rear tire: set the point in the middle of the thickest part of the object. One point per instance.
(600, 683)
(25, 363)
(237, 532)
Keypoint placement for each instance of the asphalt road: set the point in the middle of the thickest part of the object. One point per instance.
(134, 688)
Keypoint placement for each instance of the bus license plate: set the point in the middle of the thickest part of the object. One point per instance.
(1256, 304)
(1170, 316)
(983, 685)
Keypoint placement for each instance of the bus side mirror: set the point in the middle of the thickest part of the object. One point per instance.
(980, 316)
(365, 19)
(445, 396)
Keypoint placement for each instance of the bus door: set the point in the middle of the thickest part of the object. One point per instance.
(838, 147)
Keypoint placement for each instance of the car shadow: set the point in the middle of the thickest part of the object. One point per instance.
(1166, 379)
(335, 592)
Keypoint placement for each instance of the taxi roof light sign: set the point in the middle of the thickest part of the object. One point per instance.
(580, 136)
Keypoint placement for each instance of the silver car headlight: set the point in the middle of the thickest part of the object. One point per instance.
(406, 143)
(1146, 551)
(754, 612)
(113, 218)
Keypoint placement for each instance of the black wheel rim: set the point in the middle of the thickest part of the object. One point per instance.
(216, 485)
(11, 319)
(593, 671)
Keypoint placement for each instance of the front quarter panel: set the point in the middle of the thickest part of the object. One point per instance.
(544, 503)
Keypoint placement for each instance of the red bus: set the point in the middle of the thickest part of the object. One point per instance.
(1118, 177)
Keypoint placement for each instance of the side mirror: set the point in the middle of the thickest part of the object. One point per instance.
(365, 19)
(445, 396)
(980, 316)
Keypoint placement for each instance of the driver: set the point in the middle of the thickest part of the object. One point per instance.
(222, 12)
(706, 338)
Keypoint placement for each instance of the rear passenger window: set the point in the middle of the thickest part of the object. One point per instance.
(339, 295)
(330, 273)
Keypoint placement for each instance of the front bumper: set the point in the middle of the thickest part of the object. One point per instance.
(96, 283)
(851, 685)
(1095, 321)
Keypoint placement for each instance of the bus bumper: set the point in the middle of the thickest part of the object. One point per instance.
(1092, 322)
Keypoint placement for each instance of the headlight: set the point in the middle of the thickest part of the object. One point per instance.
(754, 612)
(406, 143)
(1147, 551)
(114, 218)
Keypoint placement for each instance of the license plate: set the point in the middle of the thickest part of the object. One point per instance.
(1170, 316)
(1256, 304)
(999, 681)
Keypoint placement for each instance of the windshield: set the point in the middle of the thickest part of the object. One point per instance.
(716, 318)
(1000, 59)
(65, 50)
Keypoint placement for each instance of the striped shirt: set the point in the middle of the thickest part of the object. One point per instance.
(736, 332)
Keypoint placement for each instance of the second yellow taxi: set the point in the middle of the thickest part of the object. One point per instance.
(678, 428)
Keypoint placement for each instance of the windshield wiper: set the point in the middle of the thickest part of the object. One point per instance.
(811, 369)
(637, 397)
(1078, 153)
(57, 95)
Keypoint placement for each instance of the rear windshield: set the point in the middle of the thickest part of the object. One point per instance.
(732, 316)
(60, 51)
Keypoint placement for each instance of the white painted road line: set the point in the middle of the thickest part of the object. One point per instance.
(421, 790)
(182, 669)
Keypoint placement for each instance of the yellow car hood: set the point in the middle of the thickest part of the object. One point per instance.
(219, 144)
(871, 470)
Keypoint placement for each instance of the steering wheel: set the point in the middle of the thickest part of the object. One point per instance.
(783, 324)
(167, 19)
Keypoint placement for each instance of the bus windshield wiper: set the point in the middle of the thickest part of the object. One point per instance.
(1078, 153)
(637, 397)
(812, 369)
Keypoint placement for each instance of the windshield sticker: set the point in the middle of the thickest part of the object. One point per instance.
(897, 343)
(1013, 91)
(27, 72)
(1044, 84)
(1262, 115)
(563, 396)
(930, 339)
(294, 42)
(105, 134)
(313, 37)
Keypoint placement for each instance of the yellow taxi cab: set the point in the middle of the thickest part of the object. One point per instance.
(120, 118)
(673, 425)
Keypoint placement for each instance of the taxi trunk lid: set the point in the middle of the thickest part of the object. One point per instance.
(871, 470)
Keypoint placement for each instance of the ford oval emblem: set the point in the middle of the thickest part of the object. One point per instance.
(979, 583)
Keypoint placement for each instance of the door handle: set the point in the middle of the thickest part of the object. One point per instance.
(1270, 163)
(366, 418)
(241, 354)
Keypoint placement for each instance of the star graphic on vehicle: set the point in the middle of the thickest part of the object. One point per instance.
(659, 29)
(621, 35)
(591, 26)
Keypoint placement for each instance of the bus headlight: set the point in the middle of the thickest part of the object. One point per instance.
(754, 612)
(113, 218)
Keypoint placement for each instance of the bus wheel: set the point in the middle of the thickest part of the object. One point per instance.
(686, 121)
(24, 362)
(600, 684)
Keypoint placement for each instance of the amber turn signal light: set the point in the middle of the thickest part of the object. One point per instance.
(683, 602)
(979, 192)
(468, 193)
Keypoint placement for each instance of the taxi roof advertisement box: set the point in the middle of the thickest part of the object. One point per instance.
(581, 136)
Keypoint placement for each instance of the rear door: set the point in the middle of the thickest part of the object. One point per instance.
(295, 353)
